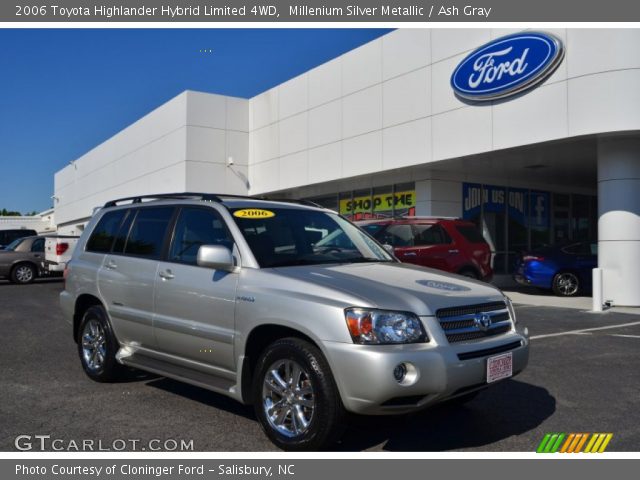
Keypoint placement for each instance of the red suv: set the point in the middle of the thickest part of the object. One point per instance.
(452, 245)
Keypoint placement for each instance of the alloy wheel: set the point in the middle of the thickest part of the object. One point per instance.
(288, 398)
(567, 284)
(24, 274)
(94, 345)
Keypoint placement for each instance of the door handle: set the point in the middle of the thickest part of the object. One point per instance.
(454, 251)
(410, 254)
(166, 275)
(111, 265)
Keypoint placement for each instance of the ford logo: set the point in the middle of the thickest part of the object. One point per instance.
(507, 66)
(482, 321)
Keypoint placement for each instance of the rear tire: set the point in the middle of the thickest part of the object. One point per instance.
(566, 284)
(23, 273)
(97, 346)
(295, 396)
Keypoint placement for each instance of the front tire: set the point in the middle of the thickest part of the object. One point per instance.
(566, 284)
(23, 273)
(97, 346)
(295, 396)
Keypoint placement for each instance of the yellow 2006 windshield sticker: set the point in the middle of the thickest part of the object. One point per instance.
(253, 213)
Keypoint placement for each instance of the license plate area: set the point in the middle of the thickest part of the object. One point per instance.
(499, 367)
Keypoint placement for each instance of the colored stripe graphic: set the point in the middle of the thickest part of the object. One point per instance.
(574, 442)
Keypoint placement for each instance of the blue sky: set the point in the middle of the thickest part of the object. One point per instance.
(62, 92)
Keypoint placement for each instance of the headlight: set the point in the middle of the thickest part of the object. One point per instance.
(512, 312)
(378, 327)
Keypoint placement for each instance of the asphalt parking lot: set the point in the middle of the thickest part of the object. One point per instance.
(583, 376)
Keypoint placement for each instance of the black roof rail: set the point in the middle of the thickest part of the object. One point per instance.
(211, 197)
(159, 196)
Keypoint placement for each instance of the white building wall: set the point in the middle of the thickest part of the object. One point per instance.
(388, 104)
(183, 145)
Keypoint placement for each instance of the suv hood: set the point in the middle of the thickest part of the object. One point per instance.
(396, 286)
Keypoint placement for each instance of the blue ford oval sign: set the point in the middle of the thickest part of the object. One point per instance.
(507, 66)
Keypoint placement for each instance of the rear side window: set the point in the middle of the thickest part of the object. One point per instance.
(148, 232)
(38, 245)
(102, 237)
(431, 235)
(471, 233)
(196, 227)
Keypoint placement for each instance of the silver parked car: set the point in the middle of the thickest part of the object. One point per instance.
(21, 260)
(283, 305)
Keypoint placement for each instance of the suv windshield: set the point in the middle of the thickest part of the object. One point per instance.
(281, 237)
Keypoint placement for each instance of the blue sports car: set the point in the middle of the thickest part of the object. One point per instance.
(564, 269)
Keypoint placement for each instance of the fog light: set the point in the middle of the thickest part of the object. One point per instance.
(400, 372)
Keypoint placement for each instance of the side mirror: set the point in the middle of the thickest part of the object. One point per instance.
(388, 248)
(217, 257)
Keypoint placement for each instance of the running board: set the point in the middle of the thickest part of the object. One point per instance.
(182, 374)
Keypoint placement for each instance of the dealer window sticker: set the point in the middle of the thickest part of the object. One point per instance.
(253, 213)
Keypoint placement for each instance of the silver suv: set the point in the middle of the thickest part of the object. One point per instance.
(283, 305)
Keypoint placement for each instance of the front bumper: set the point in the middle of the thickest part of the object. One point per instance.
(364, 373)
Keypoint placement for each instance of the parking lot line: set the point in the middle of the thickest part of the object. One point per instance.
(625, 336)
(583, 330)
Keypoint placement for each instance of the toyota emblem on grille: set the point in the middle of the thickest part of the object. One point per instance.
(482, 321)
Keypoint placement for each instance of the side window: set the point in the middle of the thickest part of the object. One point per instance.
(431, 235)
(398, 236)
(103, 234)
(148, 232)
(196, 227)
(38, 245)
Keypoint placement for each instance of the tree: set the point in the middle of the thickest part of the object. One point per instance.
(9, 213)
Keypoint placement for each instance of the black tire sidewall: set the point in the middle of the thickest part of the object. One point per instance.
(14, 279)
(111, 369)
(328, 411)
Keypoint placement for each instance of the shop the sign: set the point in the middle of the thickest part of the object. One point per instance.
(507, 66)
(381, 203)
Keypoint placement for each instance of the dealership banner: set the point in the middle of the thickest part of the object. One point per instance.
(318, 11)
(384, 203)
(524, 206)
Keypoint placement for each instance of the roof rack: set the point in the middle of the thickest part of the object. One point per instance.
(210, 197)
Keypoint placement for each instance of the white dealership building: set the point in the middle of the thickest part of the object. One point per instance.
(379, 131)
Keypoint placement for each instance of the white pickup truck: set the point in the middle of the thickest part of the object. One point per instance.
(57, 252)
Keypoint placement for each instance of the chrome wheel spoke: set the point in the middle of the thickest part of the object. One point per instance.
(296, 372)
(300, 418)
(274, 381)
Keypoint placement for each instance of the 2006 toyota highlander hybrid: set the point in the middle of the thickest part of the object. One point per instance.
(283, 305)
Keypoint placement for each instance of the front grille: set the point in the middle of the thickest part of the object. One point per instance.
(461, 324)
